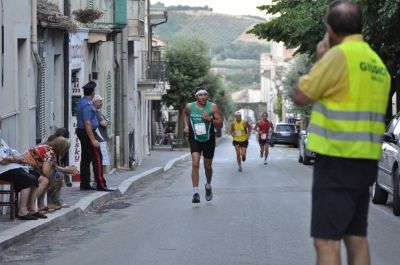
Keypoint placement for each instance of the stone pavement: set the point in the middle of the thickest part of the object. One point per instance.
(160, 160)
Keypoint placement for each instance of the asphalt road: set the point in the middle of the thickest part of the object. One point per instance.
(258, 216)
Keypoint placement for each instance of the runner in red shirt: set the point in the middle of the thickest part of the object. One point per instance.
(264, 128)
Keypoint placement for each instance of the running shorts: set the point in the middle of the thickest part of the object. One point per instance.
(205, 148)
(340, 196)
(243, 144)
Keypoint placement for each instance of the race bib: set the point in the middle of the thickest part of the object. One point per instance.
(200, 128)
(263, 136)
(238, 133)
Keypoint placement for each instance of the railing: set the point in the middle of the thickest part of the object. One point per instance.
(156, 70)
(114, 13)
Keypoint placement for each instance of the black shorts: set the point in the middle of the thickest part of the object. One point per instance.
(20, 178)
(243, 144)
(263, 142)
(207, 148)
(340, 196)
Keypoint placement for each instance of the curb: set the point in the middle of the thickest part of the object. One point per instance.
(24, 230)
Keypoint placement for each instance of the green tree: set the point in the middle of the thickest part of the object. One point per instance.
(299, 24)
(190, 67)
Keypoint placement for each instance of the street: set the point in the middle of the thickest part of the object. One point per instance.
(258, 216)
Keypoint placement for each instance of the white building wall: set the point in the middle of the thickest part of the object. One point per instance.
(17, 90)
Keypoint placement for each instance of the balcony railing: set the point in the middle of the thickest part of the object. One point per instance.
(114, 13)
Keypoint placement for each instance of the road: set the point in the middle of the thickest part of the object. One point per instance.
(259, 216)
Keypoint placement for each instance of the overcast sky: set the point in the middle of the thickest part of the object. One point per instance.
(233, 7)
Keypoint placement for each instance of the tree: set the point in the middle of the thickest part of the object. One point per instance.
(190, 67)
(299, 24)
(300, 66)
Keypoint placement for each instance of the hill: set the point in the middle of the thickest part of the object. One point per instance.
(217, 30)
(235, 54)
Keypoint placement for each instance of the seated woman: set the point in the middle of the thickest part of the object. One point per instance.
(11, 169)
(42, 162)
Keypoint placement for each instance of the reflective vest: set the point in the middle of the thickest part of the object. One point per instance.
(353, 127)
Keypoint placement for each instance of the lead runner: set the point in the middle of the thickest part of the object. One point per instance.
(200, 119)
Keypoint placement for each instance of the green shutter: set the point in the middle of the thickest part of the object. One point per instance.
(120, 18)
(90, 4)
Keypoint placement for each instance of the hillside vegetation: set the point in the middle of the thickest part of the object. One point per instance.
(229, 45)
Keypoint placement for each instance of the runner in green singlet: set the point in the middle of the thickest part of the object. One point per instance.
(200, 119)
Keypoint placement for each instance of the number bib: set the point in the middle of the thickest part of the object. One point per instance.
(263, 136)
(200, 128)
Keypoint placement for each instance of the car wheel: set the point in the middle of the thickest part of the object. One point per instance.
(379, 195)
(300, 158)
(396, 193)
(306, 160)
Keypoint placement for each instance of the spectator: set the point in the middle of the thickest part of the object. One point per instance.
(54, 190)
(11, 169)
(42, 161)
(103, 124)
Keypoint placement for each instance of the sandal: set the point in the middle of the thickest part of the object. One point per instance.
(46, 210)
(27, 217)
(39, 215)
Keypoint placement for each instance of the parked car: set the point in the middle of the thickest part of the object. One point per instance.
(388, 181)
(305, 155)
(285, 133)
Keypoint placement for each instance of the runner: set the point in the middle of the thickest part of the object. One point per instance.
(203, 116)
(264, 128)
(240, 131)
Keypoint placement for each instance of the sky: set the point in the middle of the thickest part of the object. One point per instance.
(232, 7)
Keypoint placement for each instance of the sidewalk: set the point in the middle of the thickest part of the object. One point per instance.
(160, 160)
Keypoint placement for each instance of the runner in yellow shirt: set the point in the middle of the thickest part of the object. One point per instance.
(240, 131)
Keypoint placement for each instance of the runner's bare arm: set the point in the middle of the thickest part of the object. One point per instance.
(217, 119)
(186, 118)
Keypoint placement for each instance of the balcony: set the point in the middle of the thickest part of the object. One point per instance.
(154, 78)
(114, 13)
(136, 19)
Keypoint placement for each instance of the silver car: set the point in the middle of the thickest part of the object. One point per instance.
(388, 181)
(305, 155)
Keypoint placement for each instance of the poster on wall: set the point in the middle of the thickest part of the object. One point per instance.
(76, 75)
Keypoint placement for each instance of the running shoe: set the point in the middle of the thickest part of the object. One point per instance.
(209, 193)
(240, 169)
(265, 162)
(196, 198)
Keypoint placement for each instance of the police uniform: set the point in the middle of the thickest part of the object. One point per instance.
(349, 86)
(89, 153)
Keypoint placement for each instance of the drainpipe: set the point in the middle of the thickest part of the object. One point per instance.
(124, 85)
(34, 38)
(35, 51)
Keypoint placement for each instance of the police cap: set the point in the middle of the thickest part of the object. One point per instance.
(91, 85)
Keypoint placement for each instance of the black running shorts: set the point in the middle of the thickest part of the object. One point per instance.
(263, 142)
(243, 144)
(205, 148)
(340, 196)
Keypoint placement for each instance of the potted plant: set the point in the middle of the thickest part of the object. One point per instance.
(87, 15)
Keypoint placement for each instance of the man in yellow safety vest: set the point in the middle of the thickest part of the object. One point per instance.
(349, 86)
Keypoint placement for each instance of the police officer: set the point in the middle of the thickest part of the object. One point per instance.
(90, 148)
(349, 86)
